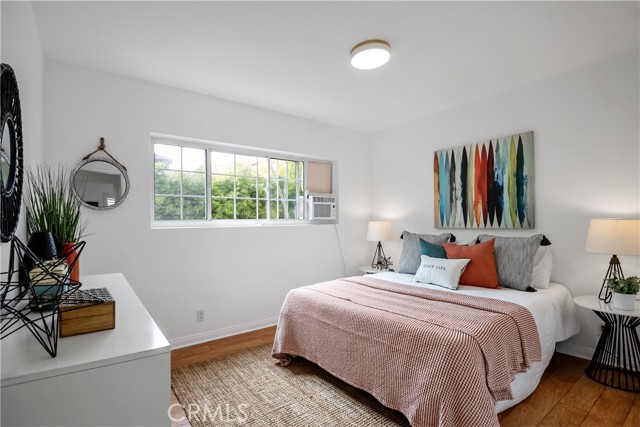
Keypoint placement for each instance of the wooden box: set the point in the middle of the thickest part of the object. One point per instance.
(85, 311)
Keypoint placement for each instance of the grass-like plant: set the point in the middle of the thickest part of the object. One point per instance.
(51, 204)
(630, 285)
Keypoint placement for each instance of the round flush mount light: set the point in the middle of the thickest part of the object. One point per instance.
(370, 54)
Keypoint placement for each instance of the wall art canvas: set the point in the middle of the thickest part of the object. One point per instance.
(485, 185)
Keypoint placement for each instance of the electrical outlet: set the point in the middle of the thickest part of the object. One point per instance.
(199, 315)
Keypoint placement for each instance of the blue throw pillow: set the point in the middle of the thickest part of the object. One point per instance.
(431, 250)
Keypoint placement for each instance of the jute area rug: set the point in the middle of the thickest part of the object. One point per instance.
(249, 388)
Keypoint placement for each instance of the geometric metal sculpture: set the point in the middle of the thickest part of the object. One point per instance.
(36, 306)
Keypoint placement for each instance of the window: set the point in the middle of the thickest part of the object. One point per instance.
(195, 182)
(255, 187)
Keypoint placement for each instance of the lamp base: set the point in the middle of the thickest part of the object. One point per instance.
(379, 260)
(614, 270)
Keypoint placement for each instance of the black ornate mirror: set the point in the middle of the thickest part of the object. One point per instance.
(11, 161)
(100, 183)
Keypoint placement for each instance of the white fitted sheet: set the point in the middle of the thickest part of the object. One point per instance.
(552, 309)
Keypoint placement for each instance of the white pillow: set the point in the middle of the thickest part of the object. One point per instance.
(440, 271)
(542, 266)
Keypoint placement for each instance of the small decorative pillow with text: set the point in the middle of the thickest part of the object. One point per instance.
(410, 257)
(440, 271)
(482, 270)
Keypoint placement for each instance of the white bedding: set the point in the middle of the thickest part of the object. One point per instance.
(552, 309)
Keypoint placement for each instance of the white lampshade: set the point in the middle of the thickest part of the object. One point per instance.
(378, 231)
(614, 236)
(370, 54)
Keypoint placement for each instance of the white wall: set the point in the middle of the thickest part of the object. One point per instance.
(586, 146)
(239, 276)
(22, 50)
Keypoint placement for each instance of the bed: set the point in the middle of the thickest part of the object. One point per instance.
(368, 331)
(554, 313)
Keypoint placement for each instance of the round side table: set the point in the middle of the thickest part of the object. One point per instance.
(616, 360)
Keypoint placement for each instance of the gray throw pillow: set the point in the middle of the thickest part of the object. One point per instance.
(410, 258)
(514, 259)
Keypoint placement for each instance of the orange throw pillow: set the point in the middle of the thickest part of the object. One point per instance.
(482, 270)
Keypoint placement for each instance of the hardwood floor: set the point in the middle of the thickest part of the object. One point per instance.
(565, 396)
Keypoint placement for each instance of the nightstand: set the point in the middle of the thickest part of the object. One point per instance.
(367, 269)
(616, 361)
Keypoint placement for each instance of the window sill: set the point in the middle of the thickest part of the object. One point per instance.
(169, 225)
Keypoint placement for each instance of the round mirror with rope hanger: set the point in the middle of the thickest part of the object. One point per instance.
(100, 183)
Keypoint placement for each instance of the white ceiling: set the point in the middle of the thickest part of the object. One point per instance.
(293, 57)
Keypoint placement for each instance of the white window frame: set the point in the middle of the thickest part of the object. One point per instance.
(214, 146)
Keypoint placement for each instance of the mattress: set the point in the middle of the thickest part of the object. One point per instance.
(552, 309)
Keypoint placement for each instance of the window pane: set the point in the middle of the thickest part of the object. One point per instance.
(282, 192)
(222, 163)
(278, 168)
(193, 159)
(167, 156)
(246, 187)
(262, 188)
(283, 211)
(193, 184)
(273, 187)
(246, 209)
(222, 208)
(262, 209)
(292, 170)
(292, 210)
(194, 208)
(263, 167)
(301, 171)
(167, 207)
(167, 182)
(246, 165)
(222, 186)
(274, 210)
(291, 185)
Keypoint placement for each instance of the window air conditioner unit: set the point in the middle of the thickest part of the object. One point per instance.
(322, 206)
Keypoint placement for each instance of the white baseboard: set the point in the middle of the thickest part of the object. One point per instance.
(222, 333)
(575, 350)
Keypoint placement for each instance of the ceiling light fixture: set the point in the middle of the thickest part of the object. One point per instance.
(370, 54)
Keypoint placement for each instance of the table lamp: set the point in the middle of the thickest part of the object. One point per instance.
(377, 231)
(615, 237)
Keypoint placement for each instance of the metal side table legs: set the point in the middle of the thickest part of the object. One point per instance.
(616, 361)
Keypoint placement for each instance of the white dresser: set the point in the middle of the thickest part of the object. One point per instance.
(119, 377)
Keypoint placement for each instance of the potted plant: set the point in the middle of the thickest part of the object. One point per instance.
(624, 292)
(53, 207)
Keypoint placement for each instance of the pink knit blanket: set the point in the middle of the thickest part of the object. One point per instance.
(441, 358)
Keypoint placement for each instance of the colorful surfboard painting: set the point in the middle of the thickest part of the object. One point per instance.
(485, 185)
